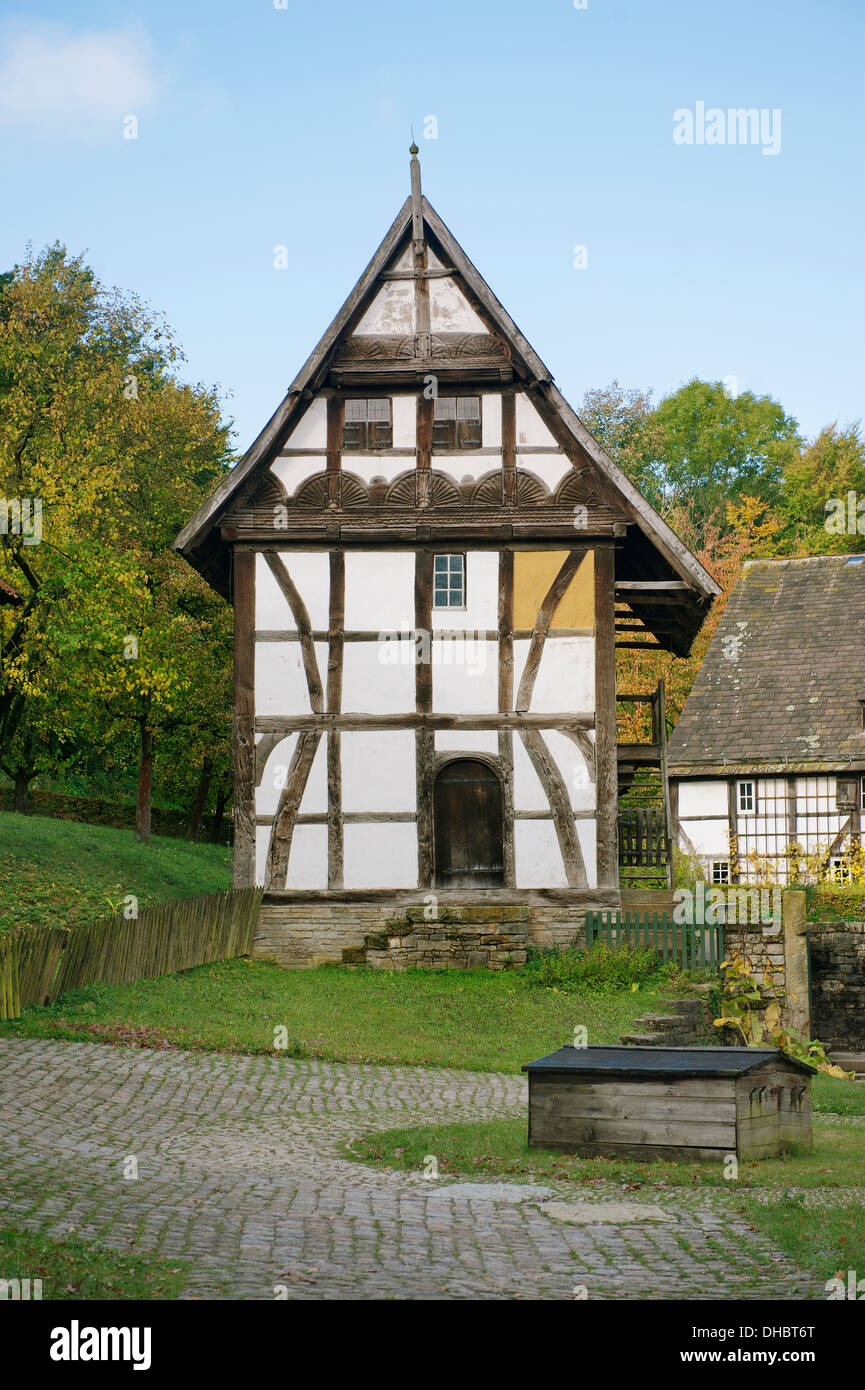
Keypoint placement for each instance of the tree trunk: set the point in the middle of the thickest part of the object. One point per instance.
(145, 783)
(219, 812)
(200, 799)
(21, 802)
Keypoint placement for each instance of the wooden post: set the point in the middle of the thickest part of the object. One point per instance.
(424, 738)
(732, 831)
(797, 1010)
(506, 698)
(335, 417)
(336, 644)
(244, 718)
(607, 773)
(509, 448)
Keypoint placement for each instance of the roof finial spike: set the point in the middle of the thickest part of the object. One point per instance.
(416, 202)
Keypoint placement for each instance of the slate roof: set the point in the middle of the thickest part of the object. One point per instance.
(664, 1061)
(779, 689)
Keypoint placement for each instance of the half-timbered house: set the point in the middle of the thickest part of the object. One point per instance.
(430, 561)
(767, 760)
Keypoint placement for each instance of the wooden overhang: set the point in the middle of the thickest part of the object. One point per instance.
(8, 594)
(657, 1062)
(667, 591)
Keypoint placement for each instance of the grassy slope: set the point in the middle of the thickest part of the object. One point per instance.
(63, 872)
(474, 1019)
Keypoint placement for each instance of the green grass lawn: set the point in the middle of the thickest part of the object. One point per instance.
(56, 872)
(820, 1239)
(72, 1268)
(480, 1019)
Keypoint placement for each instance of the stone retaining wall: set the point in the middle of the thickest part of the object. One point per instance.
(302, 933)
(461, 939)
(838, 984)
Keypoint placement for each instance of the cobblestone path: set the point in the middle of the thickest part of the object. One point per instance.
(240, 1172)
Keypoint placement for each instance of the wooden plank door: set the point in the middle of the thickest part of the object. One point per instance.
(469, 826)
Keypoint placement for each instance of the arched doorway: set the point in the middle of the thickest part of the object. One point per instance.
(469, 829)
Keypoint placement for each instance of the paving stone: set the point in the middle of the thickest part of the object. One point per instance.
(241, 1172)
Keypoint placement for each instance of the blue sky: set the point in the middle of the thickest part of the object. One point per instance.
(261, 126)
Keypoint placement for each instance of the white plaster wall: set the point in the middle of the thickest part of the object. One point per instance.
(391, 313)
(307, 862)
(550, 468)
(370, 685)
(381, 856)
(491, 420)
(538, 860)
(404, 422)
(587, 834)
(262, 840)
(280, 680)
(450, 311)
(708, 837)
(572, 765)
(369, 466)
(465, 677)
(469, 741)
(378, 771)
(565, 680)
(294, 471)
(310, 573)
(310, 432)
(379, 591)
(529, 795)
(471, 463)
(481, 613)
(530, 427)
(702, 799)
(268, 792)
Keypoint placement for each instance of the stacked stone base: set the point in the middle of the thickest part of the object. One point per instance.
(467, 938)
(303, 932)
(688, 1024)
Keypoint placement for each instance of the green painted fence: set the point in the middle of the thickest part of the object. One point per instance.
(40, 964)
(690, 945)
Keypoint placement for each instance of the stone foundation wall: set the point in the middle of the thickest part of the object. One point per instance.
(462, 939)
(838, 984)
(300, 934)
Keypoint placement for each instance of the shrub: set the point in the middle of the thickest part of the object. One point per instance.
(603, 967)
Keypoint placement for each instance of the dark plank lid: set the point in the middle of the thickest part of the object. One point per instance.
(665, 1061)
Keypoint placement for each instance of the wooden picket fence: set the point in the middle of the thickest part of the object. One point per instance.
(693, 946)
(41, 964)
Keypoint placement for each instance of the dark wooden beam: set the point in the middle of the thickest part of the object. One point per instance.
(286, 724)
(336, 621)
(607, 774)
(243, 743)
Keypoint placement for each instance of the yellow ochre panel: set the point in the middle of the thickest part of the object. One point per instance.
(534, 572)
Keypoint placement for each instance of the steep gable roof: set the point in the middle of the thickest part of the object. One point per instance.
(780, 688)
(658, 555)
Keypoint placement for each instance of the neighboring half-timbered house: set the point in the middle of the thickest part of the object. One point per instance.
(426, 551)
(767, 761)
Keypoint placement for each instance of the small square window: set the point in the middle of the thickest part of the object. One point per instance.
(720, 871)
(839, 871)
(367, 424)
(457, 422)
(449, 581)
(746, 799)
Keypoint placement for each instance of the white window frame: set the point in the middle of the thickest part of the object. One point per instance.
(740, 789)
(719, 867)
(449, 607)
